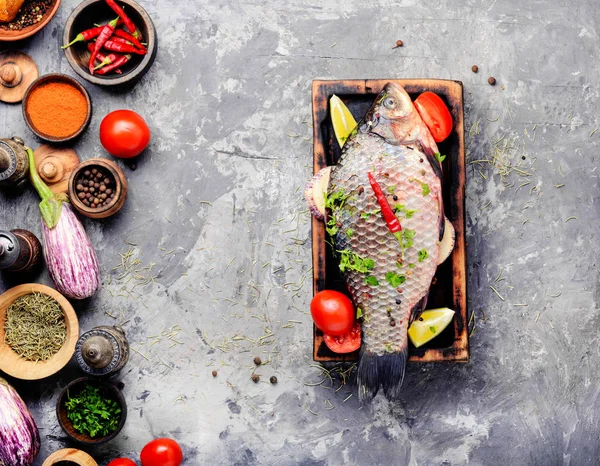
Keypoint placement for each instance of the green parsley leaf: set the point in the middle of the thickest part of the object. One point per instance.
(432, 329)
(359, 313)
(401, 208)
(351, 261)
(349, 232)
(371, 280)
(93, 412)
(366, 215)
(391, 189)
(394, 279)
(423, 255)
(369, 263)
(412, 266)
(407, 237)
(440, 158)
(425, 189)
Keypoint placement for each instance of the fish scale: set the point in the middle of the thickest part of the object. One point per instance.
(403, 171)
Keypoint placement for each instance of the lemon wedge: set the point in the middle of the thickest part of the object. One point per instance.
(429, 325)
(342, 120)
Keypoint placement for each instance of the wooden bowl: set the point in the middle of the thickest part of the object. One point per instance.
(56, 77)
(10, 36)
(16, 366)
(73, 389)
(120, 188)
(90, 12)
(73, 455)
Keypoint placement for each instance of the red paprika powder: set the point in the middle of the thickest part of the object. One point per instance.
(56, 109)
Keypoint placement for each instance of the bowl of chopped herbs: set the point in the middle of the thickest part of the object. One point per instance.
(91, 411)
(38, 331)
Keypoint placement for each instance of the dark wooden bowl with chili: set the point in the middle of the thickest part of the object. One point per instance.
(97, 188)
(107, 391)
(94, 12)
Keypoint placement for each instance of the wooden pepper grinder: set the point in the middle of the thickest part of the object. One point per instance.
(102, 351)
(17, 72)
(20, 251)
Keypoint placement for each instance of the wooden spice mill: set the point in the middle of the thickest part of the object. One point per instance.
(20, 251)
(14, 165)
(102, 351)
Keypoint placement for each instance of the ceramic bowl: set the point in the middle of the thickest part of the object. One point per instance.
(16, 366)
(60, 78)
(73, 389)
(91, 12)
(120, 188)
(11, 36)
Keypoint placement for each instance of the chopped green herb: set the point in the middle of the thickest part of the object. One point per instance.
(423, 255)
(366, 215)
(349, 232)
(394, 279)
(432, 329)
(359, 313)
(331, 230)
(411, 266)
(440, 158)
(407, 237)
(401, 208)
(371, 280)
(391, 189)
(93, 412)
(425, 189)
(351, 261)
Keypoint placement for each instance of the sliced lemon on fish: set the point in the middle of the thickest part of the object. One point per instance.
(429, 325)
(342, 120)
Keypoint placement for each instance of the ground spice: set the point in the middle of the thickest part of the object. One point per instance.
(56, 109)
(31, 12)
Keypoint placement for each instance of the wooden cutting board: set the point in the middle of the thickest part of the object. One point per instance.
(449, 288)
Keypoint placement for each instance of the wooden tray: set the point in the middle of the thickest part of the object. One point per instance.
(450, 286)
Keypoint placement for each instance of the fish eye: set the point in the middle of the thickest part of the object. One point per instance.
(390, 103)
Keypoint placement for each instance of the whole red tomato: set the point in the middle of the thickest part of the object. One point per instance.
(161, 452)
(435, 114)
(122, 462)
(332, 312)
(124, 133)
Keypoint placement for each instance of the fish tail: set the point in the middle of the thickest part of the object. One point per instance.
(384, 371)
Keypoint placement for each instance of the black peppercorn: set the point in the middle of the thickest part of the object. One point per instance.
(255, 378)
(273, 379)
(257, 361)
(214, 373)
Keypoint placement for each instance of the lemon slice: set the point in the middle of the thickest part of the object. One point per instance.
(342, 120)
(429, 325)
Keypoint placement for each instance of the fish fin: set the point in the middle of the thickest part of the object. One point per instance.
(418, 309)
(385, 371)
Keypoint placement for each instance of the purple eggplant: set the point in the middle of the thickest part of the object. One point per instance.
(69, 254)
(19, 436)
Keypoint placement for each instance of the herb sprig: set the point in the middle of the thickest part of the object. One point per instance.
(92, 412)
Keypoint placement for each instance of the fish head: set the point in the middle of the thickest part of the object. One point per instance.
(393, 116)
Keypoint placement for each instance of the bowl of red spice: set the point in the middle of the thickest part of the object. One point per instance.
(57, 108)
(97, 188)
(33, 16)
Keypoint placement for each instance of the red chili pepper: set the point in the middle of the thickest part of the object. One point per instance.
(118, 10)
(105, 59)
(130, 38)
(120, 40)
(84, 36)
(123, 48)
(107, 31)
(113, 66)
(388, 214)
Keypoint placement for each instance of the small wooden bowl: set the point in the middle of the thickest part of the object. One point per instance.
(73, 389)
(16, 366)
(73, 455)
(90, 12)
(11, 36)
(120, 188)
(56, 77)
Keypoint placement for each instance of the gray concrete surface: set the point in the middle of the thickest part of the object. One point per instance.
(216, 204)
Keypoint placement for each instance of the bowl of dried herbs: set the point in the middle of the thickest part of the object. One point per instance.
(91, 411)
(38, 331)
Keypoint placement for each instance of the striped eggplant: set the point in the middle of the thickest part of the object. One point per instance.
(19, 436)
(69, 254)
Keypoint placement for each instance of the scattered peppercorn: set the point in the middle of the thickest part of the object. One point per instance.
(361, 190)
(94, 188)
(133, 166)
(392, 323)
(32, 12)
(395, 198)
(255, 378)
(273, 379)
(474, 68)
(492, 81)
(214, 373)
(399, 43)
(257, 361)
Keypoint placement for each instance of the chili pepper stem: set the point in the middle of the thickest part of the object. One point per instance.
(79, 38)
(104, 62)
